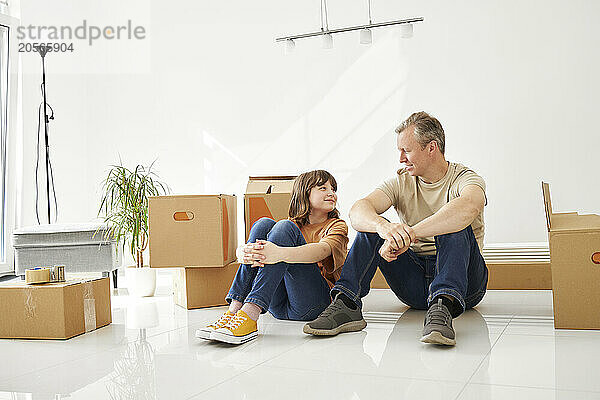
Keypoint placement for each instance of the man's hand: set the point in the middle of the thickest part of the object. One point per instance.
(399, 235)
(246, 256)
(267, 252)
(389, 252)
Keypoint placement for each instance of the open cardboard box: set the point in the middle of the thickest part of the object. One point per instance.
(575, 262)
(267, 196)
(192, 231)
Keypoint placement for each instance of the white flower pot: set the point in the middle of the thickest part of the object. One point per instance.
(141, 282)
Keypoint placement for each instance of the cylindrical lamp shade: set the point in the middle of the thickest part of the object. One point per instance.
(406, 31)
(366, 36)
(327, 41)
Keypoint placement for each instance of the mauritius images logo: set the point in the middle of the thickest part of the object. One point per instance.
(85, 32)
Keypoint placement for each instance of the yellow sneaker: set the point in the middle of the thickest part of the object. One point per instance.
(204, 333)
(240, 329)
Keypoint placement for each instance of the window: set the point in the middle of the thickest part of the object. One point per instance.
(4, 79)
(8, 139)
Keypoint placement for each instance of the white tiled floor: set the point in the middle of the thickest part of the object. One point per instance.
(507, 349)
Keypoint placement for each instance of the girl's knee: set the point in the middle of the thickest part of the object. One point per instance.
(285, 224)
(264, 222)
(283, 228)
(260, 229)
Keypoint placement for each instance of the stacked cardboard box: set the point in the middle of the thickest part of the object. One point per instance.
(192, 231)
(198, 236)
(54, 310)
(202, 287)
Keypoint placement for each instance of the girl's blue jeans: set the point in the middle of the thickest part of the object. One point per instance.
(288, 291)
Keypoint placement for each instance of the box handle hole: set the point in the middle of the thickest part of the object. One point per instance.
(596, 258)
(183, 216)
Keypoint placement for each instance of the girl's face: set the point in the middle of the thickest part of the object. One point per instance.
(322, 198)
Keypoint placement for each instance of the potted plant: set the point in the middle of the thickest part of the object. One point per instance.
(124, 208)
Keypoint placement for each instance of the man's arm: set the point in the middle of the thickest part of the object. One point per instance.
(454, 216)
(364, 216)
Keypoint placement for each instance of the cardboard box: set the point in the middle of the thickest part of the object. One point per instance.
(267, 196)
(575, 262)
(192, 231)
(519, 276)
(379, 281)
(54, 310)
(202, 287)
(513, 276)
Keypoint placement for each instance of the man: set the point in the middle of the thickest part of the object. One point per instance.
(432, 260)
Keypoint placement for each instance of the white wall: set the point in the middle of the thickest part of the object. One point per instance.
(214, 99)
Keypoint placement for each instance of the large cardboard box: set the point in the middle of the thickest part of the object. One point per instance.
(575, 262)
(192, 231)
(54, 310)
(202, 287)
(267, 196)
(509, 275)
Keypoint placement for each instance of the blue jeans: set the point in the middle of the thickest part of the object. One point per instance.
(289, 291)
(457, 270)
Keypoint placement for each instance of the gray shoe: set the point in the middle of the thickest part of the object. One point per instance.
(438, 326)
(336, 318)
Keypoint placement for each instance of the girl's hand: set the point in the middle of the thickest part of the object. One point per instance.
(270, 253)
(246, 256)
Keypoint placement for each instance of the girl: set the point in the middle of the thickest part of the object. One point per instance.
(288, 266)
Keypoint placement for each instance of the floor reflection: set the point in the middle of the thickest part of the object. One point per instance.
(404, 351)
(134, 376)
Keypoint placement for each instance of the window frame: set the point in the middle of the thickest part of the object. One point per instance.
(11, 172)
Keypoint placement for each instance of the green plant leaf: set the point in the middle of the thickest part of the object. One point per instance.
(124, 205)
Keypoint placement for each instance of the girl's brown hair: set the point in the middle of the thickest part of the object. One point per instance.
(300, 204)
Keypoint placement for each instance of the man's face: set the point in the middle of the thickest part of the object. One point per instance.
(415, 159)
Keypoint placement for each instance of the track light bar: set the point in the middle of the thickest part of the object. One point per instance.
(350, 28)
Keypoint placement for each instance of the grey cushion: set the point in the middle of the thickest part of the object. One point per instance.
(71, 245)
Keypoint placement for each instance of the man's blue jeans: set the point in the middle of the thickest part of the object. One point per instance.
(457, 270)
(289, 291)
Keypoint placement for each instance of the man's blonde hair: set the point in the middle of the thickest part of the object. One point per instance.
(426, 129)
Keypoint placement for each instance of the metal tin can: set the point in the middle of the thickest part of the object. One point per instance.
(58, 273)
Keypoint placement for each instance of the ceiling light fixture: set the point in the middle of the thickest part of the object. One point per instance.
(406, 29)
(366, 37)
(327, 38)
(327, 41)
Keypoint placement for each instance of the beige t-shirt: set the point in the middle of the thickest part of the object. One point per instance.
(414, 200)
(334, 232)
